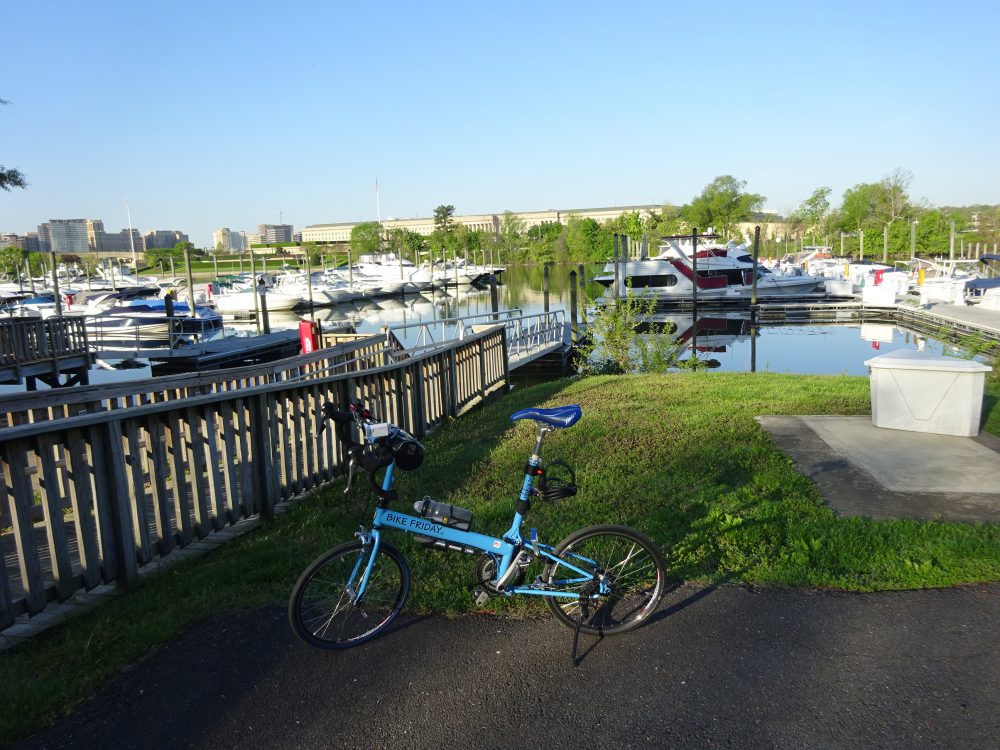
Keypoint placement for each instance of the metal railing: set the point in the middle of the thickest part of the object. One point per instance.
(526, 334)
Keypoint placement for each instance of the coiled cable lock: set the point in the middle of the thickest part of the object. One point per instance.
(557, 481)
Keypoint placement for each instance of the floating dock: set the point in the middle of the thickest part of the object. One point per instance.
(232, 351)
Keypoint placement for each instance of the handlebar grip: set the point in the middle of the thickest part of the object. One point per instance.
(338, 416)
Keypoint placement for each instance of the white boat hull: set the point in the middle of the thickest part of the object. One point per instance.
(245, 302)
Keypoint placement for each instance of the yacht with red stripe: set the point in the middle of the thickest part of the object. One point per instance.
(722, 271)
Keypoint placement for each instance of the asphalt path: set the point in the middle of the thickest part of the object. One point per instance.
(728, 667)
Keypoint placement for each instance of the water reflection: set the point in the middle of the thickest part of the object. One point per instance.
(728, 340)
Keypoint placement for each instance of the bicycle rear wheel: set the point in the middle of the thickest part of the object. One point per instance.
(321, 610)
(622, 562)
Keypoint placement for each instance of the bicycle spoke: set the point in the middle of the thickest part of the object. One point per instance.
(623, 565)
(326, 609)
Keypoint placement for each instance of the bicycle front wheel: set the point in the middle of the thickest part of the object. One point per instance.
(626, 580)
(322, 609)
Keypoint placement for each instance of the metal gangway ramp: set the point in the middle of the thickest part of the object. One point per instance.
(529, 336)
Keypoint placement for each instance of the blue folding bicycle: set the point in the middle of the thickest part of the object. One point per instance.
(599, 580)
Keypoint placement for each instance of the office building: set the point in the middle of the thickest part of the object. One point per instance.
(483, 222)
(163, 238)
(271, 233)
(227, 241)
(67, 236)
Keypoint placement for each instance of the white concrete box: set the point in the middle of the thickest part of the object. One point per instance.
(926, 393)
(883, 295)
(839, 287)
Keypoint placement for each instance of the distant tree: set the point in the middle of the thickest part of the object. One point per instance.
(629, 223)
(311, 251)
(511, 239)
(584, 240)
(366, 238)
(813, 210)
(443, 218)
(12, 259)
(892, 200)
(89, 263)
(157, 254)
(722, 205)
(406, 243)
(666, 221)
(11, 178)
(545, 242)
(857, 210)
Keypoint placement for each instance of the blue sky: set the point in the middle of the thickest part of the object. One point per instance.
(215, 114)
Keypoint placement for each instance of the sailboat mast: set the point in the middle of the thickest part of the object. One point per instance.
(131, 239)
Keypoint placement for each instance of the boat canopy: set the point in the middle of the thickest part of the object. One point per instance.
(982, 284)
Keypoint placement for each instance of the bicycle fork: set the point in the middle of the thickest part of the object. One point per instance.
(370, 541)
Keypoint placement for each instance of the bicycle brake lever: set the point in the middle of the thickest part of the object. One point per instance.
(351, 466)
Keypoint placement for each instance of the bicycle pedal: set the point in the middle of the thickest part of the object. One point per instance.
(481, 597)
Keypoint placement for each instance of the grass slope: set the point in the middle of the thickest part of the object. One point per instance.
(678, 456)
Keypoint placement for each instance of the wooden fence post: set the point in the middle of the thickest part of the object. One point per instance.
(482, 369)
(113, 481)
(451, 405)
(19, 485)
(505, 357)
(262, 470)
(417, 390)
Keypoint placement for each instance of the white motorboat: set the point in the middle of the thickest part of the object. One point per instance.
(248, 302)
(388, 269)
(723, 271)
(142, 322)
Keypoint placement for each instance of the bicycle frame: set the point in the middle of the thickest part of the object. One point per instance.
(503, 549)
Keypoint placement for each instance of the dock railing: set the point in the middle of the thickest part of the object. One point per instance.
(117, 487)
(527, 335)
(30, 346)
(340, 353)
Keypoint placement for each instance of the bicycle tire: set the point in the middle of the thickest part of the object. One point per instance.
(320, 611)
(637, 575)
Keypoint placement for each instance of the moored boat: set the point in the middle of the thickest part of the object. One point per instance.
(723, 271)
(141, 323)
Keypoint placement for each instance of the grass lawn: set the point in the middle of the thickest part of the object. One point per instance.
(678, 456)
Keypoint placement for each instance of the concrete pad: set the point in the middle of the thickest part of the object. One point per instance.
(851, 489)
(906, 461)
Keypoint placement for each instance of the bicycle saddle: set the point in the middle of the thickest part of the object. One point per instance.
(560, 416)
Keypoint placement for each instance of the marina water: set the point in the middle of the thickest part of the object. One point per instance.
(724, 339)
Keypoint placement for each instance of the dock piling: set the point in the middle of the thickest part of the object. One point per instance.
(190, 275)
(262, 293)
(753, 284)
(545, 286)
(614, 257)
(494, 300)
(168, 307)
(309, 282)
(55, 283)
(573, 321)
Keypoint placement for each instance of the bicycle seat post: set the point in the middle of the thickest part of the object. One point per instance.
(536, 455)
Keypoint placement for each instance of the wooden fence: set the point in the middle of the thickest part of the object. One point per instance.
(120, 486)
(343, 352)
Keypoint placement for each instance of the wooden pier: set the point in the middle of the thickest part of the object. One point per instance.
(231, 351)
(54, 350)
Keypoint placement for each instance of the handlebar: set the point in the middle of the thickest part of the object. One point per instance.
(379, 450)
